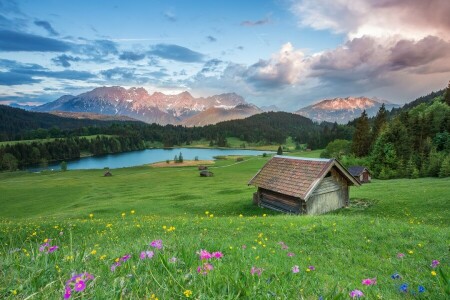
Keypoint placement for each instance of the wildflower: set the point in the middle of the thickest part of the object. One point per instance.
(91, 216)
(132, 212)
(244, 247)
(256, 271)
(52, 249)
(204, 254)
(67, 293)
(80, 286)
(173, 260)
(421, 289)
(217, 255)
(77, 283)
(114, 266)
(102, 257)
(156, 244)
(45, 247)
(295, 269)
(410, 251)
(400, 255)
(146, 254)
(395, 276)
(205, 269)
(369, 281)
(435, 263)
(211, 216)
(153, 297)
(125, 257)
(264, 215)
(404, 288)
(123, 214)
(187, 293)
(93, 252)
(311, 268)
(240, 216)
(356, 294)
(290, 254)
(433, 273)
(109, 225)
(283, 245)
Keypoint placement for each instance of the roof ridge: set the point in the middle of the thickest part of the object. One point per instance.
(304, 158)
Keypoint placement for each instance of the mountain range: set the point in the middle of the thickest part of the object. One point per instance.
(159, 108)
(184, 109)
(343, 110)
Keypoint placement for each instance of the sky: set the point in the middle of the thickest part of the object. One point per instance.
(288, 53)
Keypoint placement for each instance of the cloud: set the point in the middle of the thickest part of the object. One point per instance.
(256, 23)
(381, 18)
(131, 56)
(210, 38)
(285, 67)
(26, 73)
(64, 60)
(12, 78)
(118, 73)
(46, 25)
(175, 52)
(18, 41)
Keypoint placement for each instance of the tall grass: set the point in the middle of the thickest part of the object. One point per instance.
(392, 227)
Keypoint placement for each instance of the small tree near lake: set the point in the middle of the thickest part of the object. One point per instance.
(63, 166)
(280, 151)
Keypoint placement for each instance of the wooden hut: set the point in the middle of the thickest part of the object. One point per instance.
(361, 173)
(302, 185)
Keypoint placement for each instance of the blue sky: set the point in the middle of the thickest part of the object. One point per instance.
(284, 52)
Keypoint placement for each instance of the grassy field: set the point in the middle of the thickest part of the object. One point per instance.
(392, 231)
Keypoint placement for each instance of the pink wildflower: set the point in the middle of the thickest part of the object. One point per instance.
(400, 255)
(290, 254)
(146, 254)
(369, 281)
(356, 294)
(205, 269)
(217, 254)
(244, 247)
(295, 269)
(125, 257)
(157, 244)
(283, 245)
(204, 254)
(173, 259)
(256, 271)
(143, 255)
(114, 266)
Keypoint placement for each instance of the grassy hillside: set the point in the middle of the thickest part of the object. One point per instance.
(392, 227)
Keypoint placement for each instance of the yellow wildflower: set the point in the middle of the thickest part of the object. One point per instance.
(206, 213)
(132, 212)
(153, 297)
(93, 252)
(240, 216)
(187, 293)
(102, 257)
(433, 273)
(91, 216)
(123, 214)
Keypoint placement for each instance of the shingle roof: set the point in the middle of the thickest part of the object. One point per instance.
(356, 170)
(295, 176)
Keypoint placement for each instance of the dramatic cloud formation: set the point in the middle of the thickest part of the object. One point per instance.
(46, 25)
(18, 41)
(11, 78)
(176, 52)
(285, 67)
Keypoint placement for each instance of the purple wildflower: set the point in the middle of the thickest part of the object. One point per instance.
(80, 285)
(146, 254)
(158, 244)
(404, 288)
(395, 276)
(204, 254)
(114, 266)
(356, 294)
(435, 263)
(290, 254)
(400, 255)
(67, 293)
(295, 269)
(217, 254)
(311, 268)
(421, 289)
(205, 269)
(52, 249)
(125, 257)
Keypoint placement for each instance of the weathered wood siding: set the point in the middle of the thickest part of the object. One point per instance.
(279, 201)
(331, 194)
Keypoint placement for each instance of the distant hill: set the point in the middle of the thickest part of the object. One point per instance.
(15, 121)
(138, 104)
(343, 110)
(214, 114)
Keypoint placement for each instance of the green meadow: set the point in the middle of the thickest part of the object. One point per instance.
(103, 226)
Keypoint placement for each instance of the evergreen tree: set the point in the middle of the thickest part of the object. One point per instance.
(380, 120)
(361, 137)
(180, 158)
(280, 151)
(63, 166)
(445, 167)
(447, 95)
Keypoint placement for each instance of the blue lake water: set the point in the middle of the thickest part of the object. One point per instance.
(137, 158)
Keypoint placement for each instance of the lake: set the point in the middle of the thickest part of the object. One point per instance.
(142, 157)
